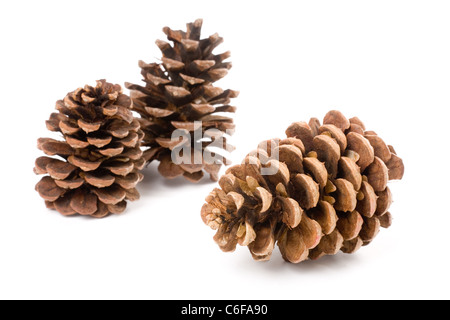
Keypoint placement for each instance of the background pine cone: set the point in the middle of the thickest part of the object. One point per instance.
(329, 192)
(179, 92)
(100, 158)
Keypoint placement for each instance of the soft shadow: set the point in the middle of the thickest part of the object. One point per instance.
(153, 181)
(182, 182)
(334, 262)
(74, 217)
(324, 264)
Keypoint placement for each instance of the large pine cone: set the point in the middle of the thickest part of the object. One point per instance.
(100, 159)
(329, 192)
(177, 93)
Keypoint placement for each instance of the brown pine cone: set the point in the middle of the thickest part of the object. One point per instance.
(179, 92)
(328, 192)
(97, 166)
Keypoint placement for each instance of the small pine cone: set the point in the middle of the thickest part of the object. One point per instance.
(100, 160)
(178, 93)
(327, 192)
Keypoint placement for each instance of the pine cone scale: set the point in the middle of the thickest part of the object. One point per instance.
(83, 202)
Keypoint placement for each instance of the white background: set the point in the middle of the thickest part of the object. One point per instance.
(387, 62)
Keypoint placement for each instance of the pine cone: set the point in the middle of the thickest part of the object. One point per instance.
(179, 92)
(100, 158)
(329, 192)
